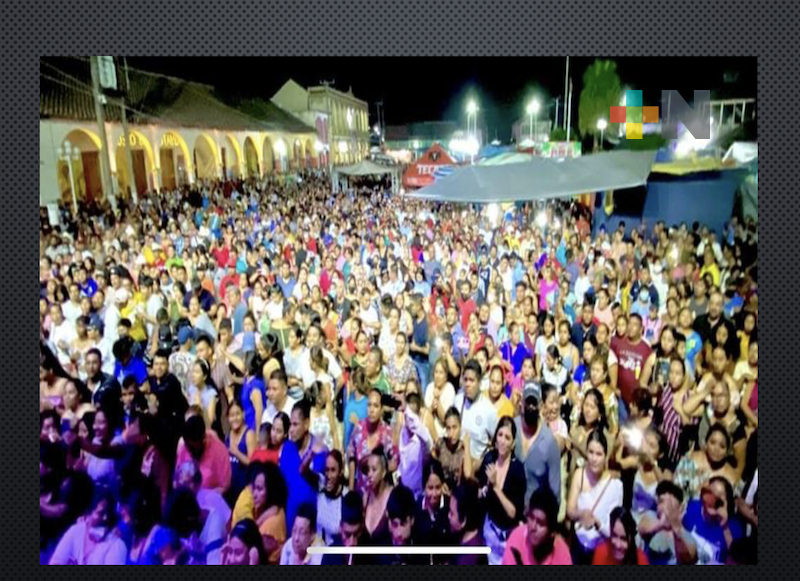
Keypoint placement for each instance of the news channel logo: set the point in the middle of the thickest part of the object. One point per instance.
(635, 115)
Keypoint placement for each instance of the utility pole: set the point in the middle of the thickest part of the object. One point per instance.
(569, 110)
(566, 91)
(128, 154)
(555, 123)
(105, 163)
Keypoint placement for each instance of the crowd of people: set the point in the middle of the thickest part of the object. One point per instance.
(246, 372)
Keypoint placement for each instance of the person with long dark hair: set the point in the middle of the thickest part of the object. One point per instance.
(52, 380)
(329, 499)
(594, 493)
(503, 483)
(465, 517)
(203, 392)
(241, 442)
(244, 545)
(714, 459)
(430, 524)
(376, 495)
(253, 395)
(592, 418)
(621, 548)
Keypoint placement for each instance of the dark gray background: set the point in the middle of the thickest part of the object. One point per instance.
(767, 30)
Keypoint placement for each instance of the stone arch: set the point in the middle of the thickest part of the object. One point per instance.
(252, 164)
(233, 156)
(143, 160)
(271, 161)
(175, 161)
(298, 157)
(85, 170)
(312, 156)
(206, 157)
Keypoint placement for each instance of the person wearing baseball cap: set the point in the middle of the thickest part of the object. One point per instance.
(181, 361)
(536, 447)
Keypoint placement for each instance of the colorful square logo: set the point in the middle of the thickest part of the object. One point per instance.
(633, 114)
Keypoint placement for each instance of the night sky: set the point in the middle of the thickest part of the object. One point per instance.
(433, 89)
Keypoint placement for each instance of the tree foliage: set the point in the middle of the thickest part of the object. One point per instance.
(601, 89)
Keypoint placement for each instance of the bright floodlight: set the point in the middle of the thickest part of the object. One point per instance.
(472, 146)
(541, 219)
(280, 148)
(602, 124)
(533, 107)
(472, 107)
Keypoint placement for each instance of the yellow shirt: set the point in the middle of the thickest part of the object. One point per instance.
(504, 407)
(713, 270)
(131, 312)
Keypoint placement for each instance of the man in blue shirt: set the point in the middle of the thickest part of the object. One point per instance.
(126, 363)
(419, 347)
(286, 281)
(238, 307)
(86, 284)
(710, 522)
(459, 338)
(302, 462)
(584, 327)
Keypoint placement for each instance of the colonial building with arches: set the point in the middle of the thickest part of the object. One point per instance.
(179, 132)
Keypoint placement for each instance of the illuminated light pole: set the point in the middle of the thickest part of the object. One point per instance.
(601, 125)
(533, 111)
(70, 154)
(472, 110)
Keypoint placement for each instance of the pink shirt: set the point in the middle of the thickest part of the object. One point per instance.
(519, 540)
(545, 288)
(215, 465)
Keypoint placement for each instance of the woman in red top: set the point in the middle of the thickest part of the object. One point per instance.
(272, 439)
(621, 548)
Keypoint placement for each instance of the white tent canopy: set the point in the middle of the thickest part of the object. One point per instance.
(366, 167)
(542, 179)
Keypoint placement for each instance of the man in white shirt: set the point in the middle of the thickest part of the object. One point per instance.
(662, 288)
(389, 330)
(314, 337)
(304, 535)
(368, 314)
(95, 334)
(278, 399)
(62, 334)
(478, 416)
(72, 308)
(154, 303)
(111, 319)
(291, 361)
(582, 284)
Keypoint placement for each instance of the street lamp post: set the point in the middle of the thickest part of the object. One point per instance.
(69, 154)
(533, 111)
(601, 125)
(472, 110)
